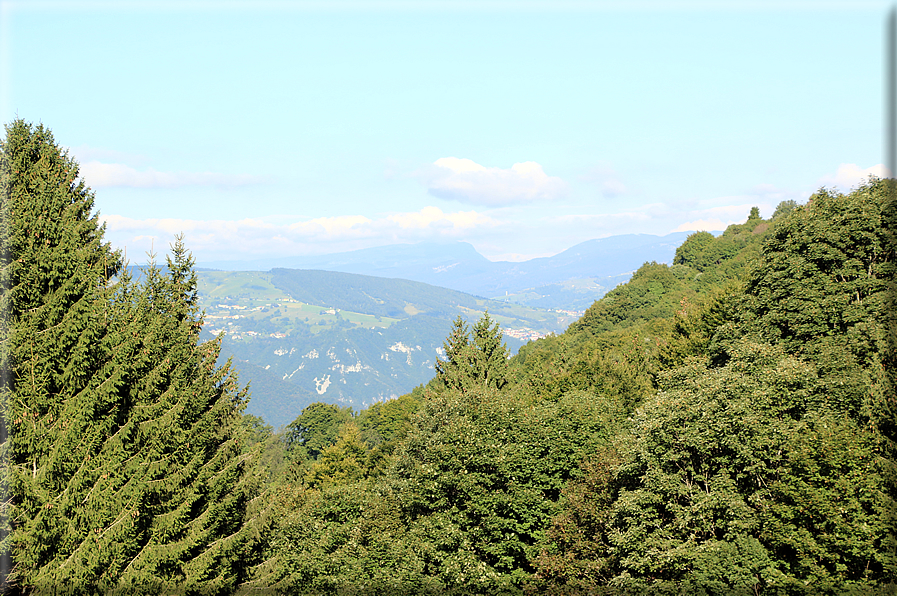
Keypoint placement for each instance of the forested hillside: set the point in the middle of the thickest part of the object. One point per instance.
(722, 425)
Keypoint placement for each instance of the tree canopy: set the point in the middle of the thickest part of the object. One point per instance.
(717, 426)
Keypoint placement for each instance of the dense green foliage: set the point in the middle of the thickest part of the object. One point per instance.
(125, 467)
(316, 428)
(756, 467)
(717, 426)
(730, 479)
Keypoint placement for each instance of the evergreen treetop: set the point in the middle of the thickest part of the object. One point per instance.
(480, 360)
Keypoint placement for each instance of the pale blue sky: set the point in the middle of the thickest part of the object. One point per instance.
(288, 128)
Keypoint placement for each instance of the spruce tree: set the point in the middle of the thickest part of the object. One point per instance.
(126, 470)
(455, 371)
(54, 271)
(491, 355)
(477, 361)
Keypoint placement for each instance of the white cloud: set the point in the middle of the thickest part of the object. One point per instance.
(98, 174)
(704, 225)
(773, 195)
(601, 221)
(467, 181)
(249, 238)
(85, 153)
(850, 175)
(655, 218)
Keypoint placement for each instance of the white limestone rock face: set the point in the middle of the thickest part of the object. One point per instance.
(322, 384)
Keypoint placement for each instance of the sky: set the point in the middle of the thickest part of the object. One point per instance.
(275, 129)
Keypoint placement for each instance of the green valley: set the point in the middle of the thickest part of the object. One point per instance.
(302, 336)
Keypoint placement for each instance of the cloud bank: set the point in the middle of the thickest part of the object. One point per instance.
(657, 218)
(469, 182)
(249, 238)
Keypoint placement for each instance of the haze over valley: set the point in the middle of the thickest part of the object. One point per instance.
(321, 334)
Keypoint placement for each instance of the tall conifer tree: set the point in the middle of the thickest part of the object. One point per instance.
(125, 466)
(491, 362)
(455, 371)
(478, 361)
(55, 268)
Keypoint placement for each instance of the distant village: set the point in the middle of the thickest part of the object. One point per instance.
(527, 334)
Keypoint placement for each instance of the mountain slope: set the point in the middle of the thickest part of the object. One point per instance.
(303, 336)
(378, 296)
(458, 266)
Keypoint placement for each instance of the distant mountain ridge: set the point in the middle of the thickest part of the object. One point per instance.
(458, 265)
(379, 296)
